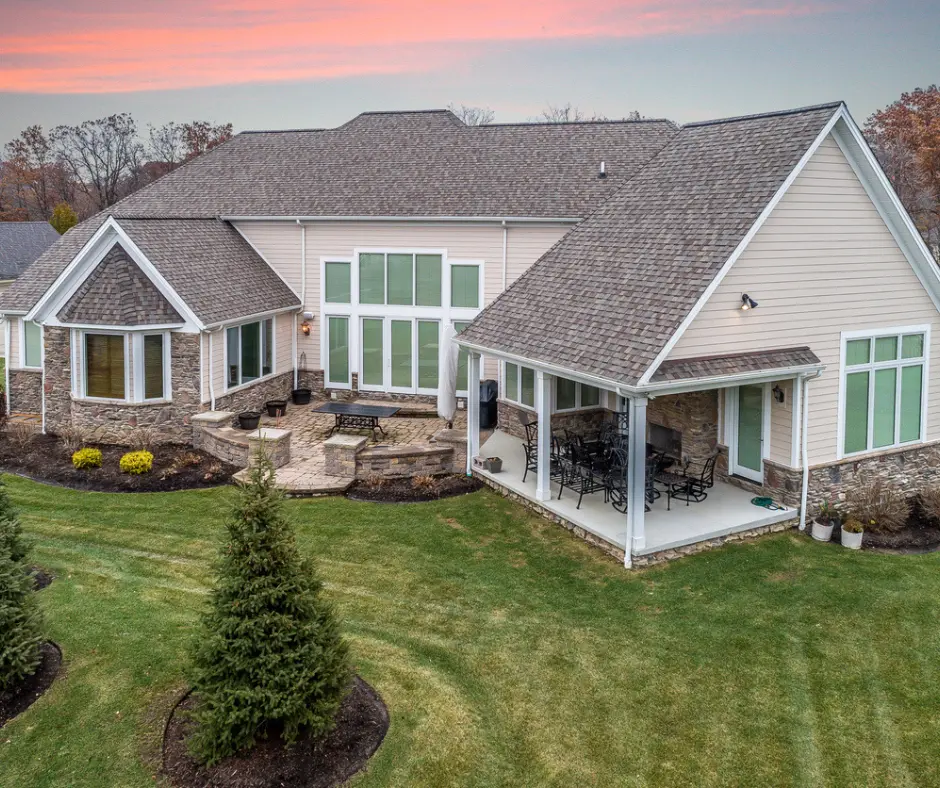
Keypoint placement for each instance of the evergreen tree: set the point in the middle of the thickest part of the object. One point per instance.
(63, 218)
(270, 656)
(20, 620)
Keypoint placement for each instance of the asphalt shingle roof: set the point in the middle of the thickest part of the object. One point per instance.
(21, 243)
(118, 293)
(407, 164)
(608, 296)
(735, 364)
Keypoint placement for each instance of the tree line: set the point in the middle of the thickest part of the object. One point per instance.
(86, 168)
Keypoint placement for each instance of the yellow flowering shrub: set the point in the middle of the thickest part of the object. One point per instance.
(137, 462)
(87, 458)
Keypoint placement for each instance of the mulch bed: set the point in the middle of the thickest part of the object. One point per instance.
(41, 578)
(46, 460)
(413, 489)
(361, 725)
(15, 701)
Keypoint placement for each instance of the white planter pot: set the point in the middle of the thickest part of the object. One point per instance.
(821, 533)
(852, 541)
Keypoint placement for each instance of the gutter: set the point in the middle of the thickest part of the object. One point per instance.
(249, 318)
(457, 219)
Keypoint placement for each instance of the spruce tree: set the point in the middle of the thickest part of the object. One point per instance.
(20, 619)
(270, 657)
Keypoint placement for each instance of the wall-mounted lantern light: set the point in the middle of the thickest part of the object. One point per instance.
(778, 393)
(305, 328)
(747, 302)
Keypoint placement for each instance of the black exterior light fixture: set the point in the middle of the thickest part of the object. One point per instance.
(779, 394)
(747, 302)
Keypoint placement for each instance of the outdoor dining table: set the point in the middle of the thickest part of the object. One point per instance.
(353, 416)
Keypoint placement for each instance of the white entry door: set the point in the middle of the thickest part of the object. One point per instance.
(747, 443)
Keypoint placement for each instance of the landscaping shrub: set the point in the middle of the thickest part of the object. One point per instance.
(270, 655)
(930, 503)
(144, 438)
(73, 438)
(20, 434)
(423, 483)
(87, 458)
(137, 462)
(852, 526)
(878, 506)
(20, 620)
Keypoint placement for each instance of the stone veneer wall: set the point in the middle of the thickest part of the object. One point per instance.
(694, 414)
(25, 391)
(404, 461)
(254, 396)
(584, 422)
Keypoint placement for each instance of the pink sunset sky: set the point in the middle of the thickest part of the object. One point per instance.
(512, 55)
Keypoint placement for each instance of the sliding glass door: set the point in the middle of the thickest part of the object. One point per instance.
(399, 355)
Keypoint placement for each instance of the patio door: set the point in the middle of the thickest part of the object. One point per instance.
(399, 355)
(747, 442)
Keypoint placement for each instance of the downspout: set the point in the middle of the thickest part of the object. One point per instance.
(211, 373)
(804, 453)
(303, 293)
(42, 362)
(6, 365)
(505, 248)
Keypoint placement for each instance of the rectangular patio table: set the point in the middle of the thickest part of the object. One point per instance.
(352, 416)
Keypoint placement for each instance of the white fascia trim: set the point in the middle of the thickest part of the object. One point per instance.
(852, 142)
(88, 259)
(727, 381)
(239, 321)
(153, 329)
(742, 245)
(257, 251)
(411, 219)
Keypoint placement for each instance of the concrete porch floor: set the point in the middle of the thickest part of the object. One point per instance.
(727, 509)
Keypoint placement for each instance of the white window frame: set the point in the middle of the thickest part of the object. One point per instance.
(356, 312)
(81, 379)
(225, 329)
(871, 367)
(386, 385)
(138, 363)
(516, 397)
(22, 343)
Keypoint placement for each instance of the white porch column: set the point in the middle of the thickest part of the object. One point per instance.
(636, 479)
(473, 408)
(543, 409)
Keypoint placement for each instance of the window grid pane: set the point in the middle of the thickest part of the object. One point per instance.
(104, 366)
(528, 387)
(338, 287)
(400, 279)
(373, 357)
(912, 346)
(251, 352)
(512, 382)
(886, 381)
(911, 390)
(339, 349)
(153, 366)
(856, 412)
(886, 349)
(566, 392)
(462, 361)
(402, 354)
(428, 354)
(857, 351)
(267, 364)
(428, 279)
(590, 396)
(372, 279)
(33, 335)
(465, 286)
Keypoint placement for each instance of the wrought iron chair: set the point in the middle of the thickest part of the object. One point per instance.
(531, 447)
(692, 483)
(580, 472)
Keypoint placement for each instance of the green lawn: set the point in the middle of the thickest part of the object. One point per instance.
(508, 652)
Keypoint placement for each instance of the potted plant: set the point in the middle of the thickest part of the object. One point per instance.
(852, 532)
(301, 396)
(276, 407)
(822, 525)
(249, 419)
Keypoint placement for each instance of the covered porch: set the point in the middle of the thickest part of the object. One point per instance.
(684, 458)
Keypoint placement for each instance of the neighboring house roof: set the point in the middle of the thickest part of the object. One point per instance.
(607, 298)
(410, 164)
(735, 364)
(21, 243)
(118, 293)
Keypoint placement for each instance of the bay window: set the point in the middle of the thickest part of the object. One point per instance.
(130, 367)
(249, 352)
(883, 389)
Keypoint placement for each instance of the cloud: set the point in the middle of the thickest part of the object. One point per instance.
(62, 47)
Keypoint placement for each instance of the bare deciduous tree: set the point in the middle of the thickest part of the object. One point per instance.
(568, 113)
(32, 159)
(473, 116)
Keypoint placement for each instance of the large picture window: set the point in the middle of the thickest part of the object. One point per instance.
(249, 352)
(32, 344)
(519, 386)
(105, 366)
(338, 289)
(400, 278)
(883, 390)
(465, 286)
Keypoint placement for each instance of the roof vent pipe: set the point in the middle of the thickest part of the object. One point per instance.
(602, 172)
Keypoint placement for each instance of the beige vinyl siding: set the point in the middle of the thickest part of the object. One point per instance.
(279, 243)
(283, 360)
(13, 324)
(781, 424)
(824, 262)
